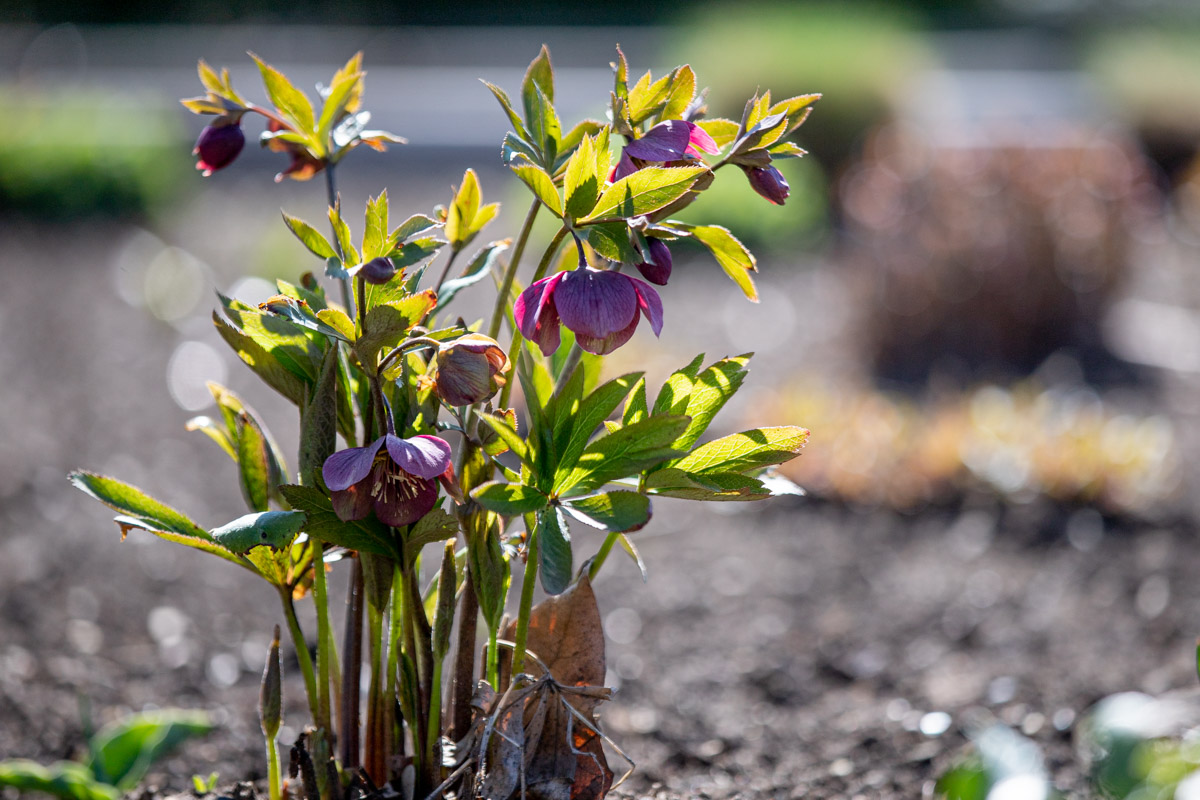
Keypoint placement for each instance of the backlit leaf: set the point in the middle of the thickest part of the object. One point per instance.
(554, 551)
(542, 185)
(274, 529)
(291, 102)
(739, 452)
(644, 191)
(737, 261)
(309, 236)
(509, 499)
(611, 511)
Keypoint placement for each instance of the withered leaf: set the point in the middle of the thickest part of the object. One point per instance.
(566, 634)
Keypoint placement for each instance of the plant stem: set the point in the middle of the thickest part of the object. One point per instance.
(331, 197)
(601, 555)
(321, 601)
(514, 351)
(352, 646)
(573, 357)
(302, 655)
(272, 768)
(527, 587)
(511, 273)
(463, 684)
(445, 270)
(435, 719)
(395, 630)
(375, 757)
(493, 658)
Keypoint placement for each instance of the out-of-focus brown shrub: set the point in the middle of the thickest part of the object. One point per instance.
(982, 260)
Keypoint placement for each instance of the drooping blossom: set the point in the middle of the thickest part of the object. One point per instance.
(378, 271)
(218, 145)
(667, 142)
(769, 182)
(395, 477)
(658, 268)
(469, 369)
(601, 307)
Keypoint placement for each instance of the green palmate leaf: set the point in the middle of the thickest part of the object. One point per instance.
(581, 183)
(796, 108)
(205, 545)
(680, 94)
(415, 251)
(213, 430)
(509, 499)
(309, 236)
(786, 150)
(375, 230)
(387, 324)
(291, 345)
(344, 98)
(731, 486)
(644, 191)
(540, 73)
(292, 104)
(621, 454)
(254, 468)
(490, 572)
(506, 431)
(577, 421)
(542, 185)
(723, 131)
(710, 391)
(620, 75)
(515, 150)
(133, 502)
(611, 511)
(124, 750)
(417, 223)
(261, 361)
(480, 267)
(554, 551)
(646, 98)
(673, 397)
(436, 526)
(731, 254)
(513, 117)
(274, 529)
(544, 127)
(65, 779)
(342, 230)
(635, 407)
(314, 298)
(611, 240)
(336, 319)
(365, 535)
(572, 138)
(466, 215)
(739, 452)
(318, 422)
(762, 133)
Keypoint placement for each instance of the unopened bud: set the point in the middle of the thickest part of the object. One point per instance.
(218, 145)
(379, 271)
(469, 369)
(270, 704)
(659, 271)
(769, 182)
(443, 618)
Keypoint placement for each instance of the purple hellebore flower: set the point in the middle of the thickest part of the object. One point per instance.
(658, 269)
(769, 182)
(218, 145)
(601, 307)
(398, 483)
(673, 140)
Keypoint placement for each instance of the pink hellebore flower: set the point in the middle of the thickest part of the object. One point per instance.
(673, 140)
(601, 307)
(398, 483)
(218, 145)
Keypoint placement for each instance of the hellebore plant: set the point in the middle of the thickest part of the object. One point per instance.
(449, 468)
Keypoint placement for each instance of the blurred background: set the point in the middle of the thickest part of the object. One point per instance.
(983, 284)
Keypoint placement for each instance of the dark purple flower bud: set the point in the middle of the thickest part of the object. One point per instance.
(769, 182)
(217, 147)
(657, 269)
(378, 271)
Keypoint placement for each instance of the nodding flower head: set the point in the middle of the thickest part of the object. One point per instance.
(657, 269)
(769, 182)
(218, 145)
(378, 271)
(469, 369)
(396, 478)
(673, 140)
(601, 307)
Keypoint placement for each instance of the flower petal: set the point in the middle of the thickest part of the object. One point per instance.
(347, 467)
(396, 507)
(650, 304)
(353, 503)
(623, 168)
(603, 345)
(657, 269)
(596, 302)
(666, 141)
(698, 139)
(536, 316)
(423, 456)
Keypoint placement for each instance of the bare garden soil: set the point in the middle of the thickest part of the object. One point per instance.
(790, 649)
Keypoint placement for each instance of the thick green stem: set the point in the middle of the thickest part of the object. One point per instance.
(375, 754)
(527, 587)
(321, 601)
(573, 357)
(273, 782)
(435, 717)
(511, 273)
(437, 287)
(463, 680)
(515, 349)
(352, 648)
(302, 656)
(601, 555)
(395, 631)
(493, 658)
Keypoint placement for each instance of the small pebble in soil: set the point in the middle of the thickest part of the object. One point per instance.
(1063, 719)
(841, 767)
(935, 723)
